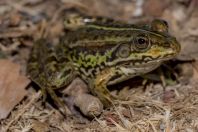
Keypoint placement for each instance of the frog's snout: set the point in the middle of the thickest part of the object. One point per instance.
(175, 45)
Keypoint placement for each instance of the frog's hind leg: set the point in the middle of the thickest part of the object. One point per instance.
(44, 94)
(55, 98)
(50, 90)
(39, 82)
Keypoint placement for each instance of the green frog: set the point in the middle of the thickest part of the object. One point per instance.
(101, 52)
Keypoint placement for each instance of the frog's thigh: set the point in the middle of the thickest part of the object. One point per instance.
(98, 87)
(44, 93)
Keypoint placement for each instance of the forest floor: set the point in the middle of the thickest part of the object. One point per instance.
(168, 103)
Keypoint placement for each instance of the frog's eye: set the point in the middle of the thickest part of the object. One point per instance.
(124, 51)
(141, 43)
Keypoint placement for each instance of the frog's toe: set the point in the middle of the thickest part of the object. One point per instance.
(109, 100)
(44, 94)
(63, 108)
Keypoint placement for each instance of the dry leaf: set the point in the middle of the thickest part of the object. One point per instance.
(155, 7)
(124, 8)
(168, 96)
(195, 70)
(111, 117)
(185, 72)
(39, 126)
(12, 86)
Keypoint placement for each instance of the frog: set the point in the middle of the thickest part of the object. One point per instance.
(102, 52)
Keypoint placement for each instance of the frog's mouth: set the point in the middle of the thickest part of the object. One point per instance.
(146, 63)
(134, 69)
(128, 71)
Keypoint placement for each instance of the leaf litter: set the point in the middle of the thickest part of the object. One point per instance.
(12, 87)
(151, 107)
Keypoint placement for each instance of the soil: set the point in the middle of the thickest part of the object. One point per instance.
(167, 101)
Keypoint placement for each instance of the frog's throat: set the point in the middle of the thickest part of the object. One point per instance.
(127, 72)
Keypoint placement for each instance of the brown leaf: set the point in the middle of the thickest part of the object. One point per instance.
(39, 126)
(155, 7)
(124, 8)
(111, 118)
(12, 86)
(195, 70)
(14, 32)
(168, 96)
(189, 34)
(185, 72)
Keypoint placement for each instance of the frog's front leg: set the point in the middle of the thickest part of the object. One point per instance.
(98, 86)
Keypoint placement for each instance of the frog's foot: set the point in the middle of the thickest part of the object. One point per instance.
(59, 102)
(44, 94)
(104, 95)
(107, 99)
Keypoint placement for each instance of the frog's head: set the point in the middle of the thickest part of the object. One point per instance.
(148, 48)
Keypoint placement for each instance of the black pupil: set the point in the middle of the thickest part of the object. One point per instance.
(141, 41)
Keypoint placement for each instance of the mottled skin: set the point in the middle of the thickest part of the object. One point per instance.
(102, 52)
